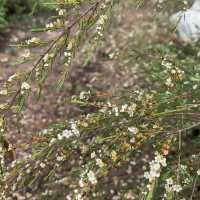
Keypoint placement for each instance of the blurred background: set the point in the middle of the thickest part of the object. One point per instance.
(20, 12)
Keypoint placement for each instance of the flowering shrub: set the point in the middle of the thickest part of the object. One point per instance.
(129, 145)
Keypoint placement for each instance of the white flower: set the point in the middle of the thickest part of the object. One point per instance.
(169, 181)
(195, 87)
(131, 109)
(78, 197)
(173, 71)
(81, 183)
(102, 19)
(69, 133)
(61, 12)
(84, 95)
(160, 159)
(60, 158)
(67, 54)
(52, 141)
(132, 140)
(116, 111)
(50, 25)
(99, 162)
(42, 165)
(25, 86)
(166, 64)
(198, 172)
(177, 188)
(65, 134)
(33, 40)
(93, 155)
(124, 108)
(169, 184)
(169, 82)
(155, 167)
(92, 178)
(74, 128)
(133, 130)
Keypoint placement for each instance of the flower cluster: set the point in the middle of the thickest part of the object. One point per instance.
(58, 24)
(174, 74)
(112, 135)
(68, 133)
(100, 26)
(68, 54)
(84, 95)
(61, 11)
(171, 187)
(155, 168)
(25, 87)
(33, 41)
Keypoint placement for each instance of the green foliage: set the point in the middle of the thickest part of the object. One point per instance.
(132, 144)
(8, 8)
(2, 13)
